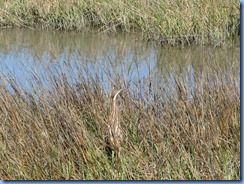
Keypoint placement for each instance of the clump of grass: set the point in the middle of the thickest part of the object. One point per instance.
(180, 129)
(171, 22)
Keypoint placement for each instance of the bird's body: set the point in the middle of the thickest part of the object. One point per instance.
(115, 134)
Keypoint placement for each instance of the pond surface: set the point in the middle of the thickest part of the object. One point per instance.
(24, 52)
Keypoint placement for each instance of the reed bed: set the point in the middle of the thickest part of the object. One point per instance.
(176, 129)
(173, 22)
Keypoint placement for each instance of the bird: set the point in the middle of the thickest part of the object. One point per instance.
(114, 136)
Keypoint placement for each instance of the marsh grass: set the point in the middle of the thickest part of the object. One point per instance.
(173, 22)
(171, 130)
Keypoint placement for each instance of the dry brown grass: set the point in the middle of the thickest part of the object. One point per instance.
(172, 130)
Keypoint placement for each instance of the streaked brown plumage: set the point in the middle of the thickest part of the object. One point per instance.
(115, 135)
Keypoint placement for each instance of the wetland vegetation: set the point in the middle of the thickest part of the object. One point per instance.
(194, 21)
(179, 108)
(190, 132)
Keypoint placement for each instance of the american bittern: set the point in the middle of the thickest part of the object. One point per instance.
(114, 137)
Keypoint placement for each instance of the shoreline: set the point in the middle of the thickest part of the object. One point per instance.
(162, 22)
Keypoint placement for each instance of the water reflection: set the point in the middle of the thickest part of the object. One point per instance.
(40, 51)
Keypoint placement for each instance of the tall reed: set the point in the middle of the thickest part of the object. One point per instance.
(181, 129)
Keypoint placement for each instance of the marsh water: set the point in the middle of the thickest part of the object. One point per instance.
(25, 51)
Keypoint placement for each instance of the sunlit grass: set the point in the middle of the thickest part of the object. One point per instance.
(171, 22)
(171, 130)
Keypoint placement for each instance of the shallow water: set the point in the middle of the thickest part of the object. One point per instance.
(24, 52)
